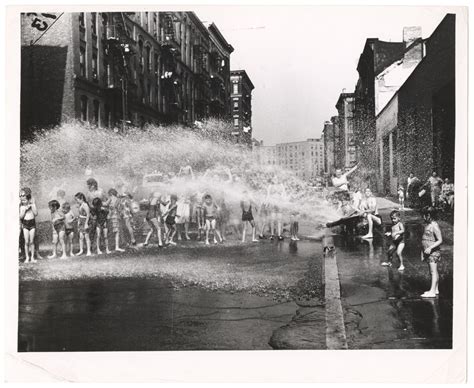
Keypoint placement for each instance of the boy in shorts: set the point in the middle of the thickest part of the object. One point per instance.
(69, 219)
(398, 243)
(59, 228)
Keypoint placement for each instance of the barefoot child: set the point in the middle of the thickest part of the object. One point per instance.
(153, 217)
(170, 220)
(28, 212)
(59, 228)
(113, 205)
(69, 219)
(398, 243)
(100, 214)
(210, 210)
(431, 241)
(247, 216)
(198, 212)
(83, 225)
(401, 198)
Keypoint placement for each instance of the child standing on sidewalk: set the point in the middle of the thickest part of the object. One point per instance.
(398, 242)
(431, 241)
(401, 198)
(28, 213)
(83, 225)
(170, 220)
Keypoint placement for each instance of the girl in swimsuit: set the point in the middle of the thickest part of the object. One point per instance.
(113, 204)
(431, 241)
(28, 212)
(247, 216)
(59, 228)
(83, 226)
(100, 214)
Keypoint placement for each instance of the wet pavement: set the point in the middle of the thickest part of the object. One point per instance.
(143, 313)
(382, 306)
(240, 297)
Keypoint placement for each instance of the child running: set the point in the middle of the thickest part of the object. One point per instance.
(170, 220)
(28, 213)
(153, 217)
(210, 210)
(247, 216)
(69, 219)
(59, 228)
(83, 226)
(100, 214)
(431, 241)
(398, 241)
(113, 205)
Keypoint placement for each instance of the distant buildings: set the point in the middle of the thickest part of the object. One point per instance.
(400, 117)
(304, 158)
(114, 68)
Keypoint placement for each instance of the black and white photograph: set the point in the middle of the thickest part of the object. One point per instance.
(239, 178)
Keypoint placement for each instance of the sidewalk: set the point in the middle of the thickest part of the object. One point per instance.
(382, 307)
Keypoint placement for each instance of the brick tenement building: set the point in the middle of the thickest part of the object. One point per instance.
(241, 99)
(416, 129)
(157, 67)
(375, 58)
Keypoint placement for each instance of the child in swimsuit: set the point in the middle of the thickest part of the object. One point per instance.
(170, 220)
(100, 214)
(398, 242)
(198, 212)
(113, 205)
(153, 217)
(247, 216)
(210, 210)
(69, 219)
(83, 225)
(28, 212)
(59, 228)
(431, 241)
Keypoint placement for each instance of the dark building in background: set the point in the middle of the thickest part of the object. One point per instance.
(241, 104)
(328, 144)
(417, 126)
(119, 68)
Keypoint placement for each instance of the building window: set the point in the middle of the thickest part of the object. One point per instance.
(150, 93)
(83, 108)
(107, 80)
(96, 112)
(148, 58)
(236, 122)
(82, 61)
(107, 115)
(235, 88)
(236, 106)
(82, 19)
(94, 67)
(94, 23)
(105, 23)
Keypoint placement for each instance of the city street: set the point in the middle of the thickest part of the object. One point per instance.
(238, 296)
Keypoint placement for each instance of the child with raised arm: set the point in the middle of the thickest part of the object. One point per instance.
(83, 225)
(28, 213)
(431, 242)
(59, 228)
(100, 213)
(113, 204)
(69, 219)
(398, 242)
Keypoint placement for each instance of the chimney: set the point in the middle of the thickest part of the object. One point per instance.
(415, 53)
(410, 34)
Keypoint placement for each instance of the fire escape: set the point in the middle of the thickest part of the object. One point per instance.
(170, 79)
(218, 93)
(202, 82)
(118, 43)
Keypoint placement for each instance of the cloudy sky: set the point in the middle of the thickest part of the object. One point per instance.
(301, 58)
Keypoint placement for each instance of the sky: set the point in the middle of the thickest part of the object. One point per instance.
(301, 58)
